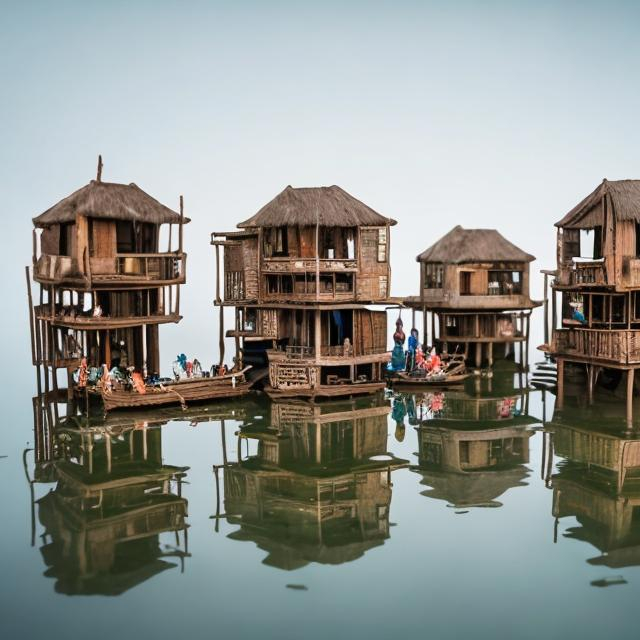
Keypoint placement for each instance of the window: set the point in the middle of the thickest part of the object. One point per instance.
(382, 244)
(465, 283)
(433, 275)
(464, 452)
(505, 283)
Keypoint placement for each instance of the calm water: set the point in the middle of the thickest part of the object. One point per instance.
(438, 515)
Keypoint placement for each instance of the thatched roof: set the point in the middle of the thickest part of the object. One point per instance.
(623, 198)
(306, 207)
(473, 245)
(108, 200)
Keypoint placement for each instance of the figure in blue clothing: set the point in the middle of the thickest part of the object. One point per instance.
(397, 355)
(578, 314)
(412, 344)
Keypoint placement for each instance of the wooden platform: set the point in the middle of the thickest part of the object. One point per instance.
(326, 391)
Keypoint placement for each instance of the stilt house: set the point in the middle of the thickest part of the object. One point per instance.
(301, 275)
(105, 281)
(595, 301)
(474, 284)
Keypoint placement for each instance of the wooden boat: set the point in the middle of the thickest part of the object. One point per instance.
(454, 374)
(325, 391)
(181, 392)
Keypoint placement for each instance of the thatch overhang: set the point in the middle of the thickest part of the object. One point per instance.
(622, 198)
(111, 201)
(461, 246)
(311, 206)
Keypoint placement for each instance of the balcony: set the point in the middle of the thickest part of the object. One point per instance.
(620, 347)
(68, 318)
(434, 298)
(583, 274)
(125, 269)
(139, 269)
(329, 355)
(309, 265)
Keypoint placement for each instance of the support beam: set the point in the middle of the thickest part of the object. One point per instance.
(560, 397)
(630, 376)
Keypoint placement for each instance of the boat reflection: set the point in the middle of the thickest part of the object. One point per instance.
(473, 444)
(105, 521)
(597, 480)
(317, 487)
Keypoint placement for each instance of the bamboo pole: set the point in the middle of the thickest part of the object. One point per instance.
(630, 376)
(31, 318)
(181, 225)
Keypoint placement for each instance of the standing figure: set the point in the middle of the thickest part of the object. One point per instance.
(397, 355)
(413, 345)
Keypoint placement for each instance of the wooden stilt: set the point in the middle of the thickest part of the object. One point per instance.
(490, 353)
(221, 337)
(630, 376)
(478, 354)
(560, 397)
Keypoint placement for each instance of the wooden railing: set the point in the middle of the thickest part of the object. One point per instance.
(618, 346)
(51, 268)
(234, 288)
(149, 266)
(299, 352)
(582, 274)
(301, 265)
(331, 351)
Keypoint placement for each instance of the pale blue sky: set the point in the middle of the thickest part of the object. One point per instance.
(493, 114)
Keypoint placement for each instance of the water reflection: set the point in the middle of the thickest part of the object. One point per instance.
(113, 500)
(316, 485)
(597, 482)
(473, 444)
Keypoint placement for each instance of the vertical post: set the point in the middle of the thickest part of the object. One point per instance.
(317, 260)
(217, 246)
(560, 399)
(221, 337)
(424, 326)
(31, 317)
(317, 334)
(478, 355)
(630, 376)
(181, 225)
(490, 353)
(238, 362)
(546, 308)
(554, 312)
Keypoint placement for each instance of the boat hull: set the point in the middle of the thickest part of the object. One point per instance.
(179, 393)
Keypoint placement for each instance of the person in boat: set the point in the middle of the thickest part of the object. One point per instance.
(412, 344)
(196, 370)
(434, 364)
(397, 355)
(137, 381)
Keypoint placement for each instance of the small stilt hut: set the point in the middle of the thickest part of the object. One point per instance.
(474, 286)
(105, 283)
(302, 275)
(595, 300)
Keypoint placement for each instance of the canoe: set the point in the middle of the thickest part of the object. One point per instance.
(404, 381)
(181, 392)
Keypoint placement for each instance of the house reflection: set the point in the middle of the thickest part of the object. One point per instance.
(598, 481)
(318, 486)
(113, 502)
(473, 445)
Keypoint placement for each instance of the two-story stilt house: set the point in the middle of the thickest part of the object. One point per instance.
(303, 275)
(474, 284)
(106, 283)
(595, 305)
